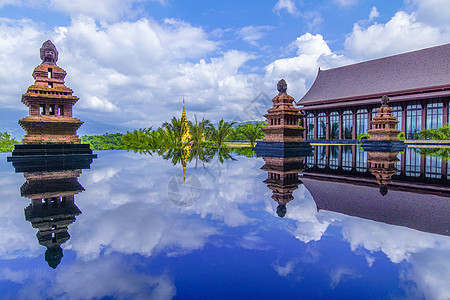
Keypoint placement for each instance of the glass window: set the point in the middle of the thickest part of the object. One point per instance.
(361, 121)
(334, 157)
(433, 167)
(347, 157)
(435, 110)
(397, 113)
(321, 157)
(321, 126)
(310, 121)
(347, 124)
(361, 160)
(334, 125)
(413, 119)
(412, 163)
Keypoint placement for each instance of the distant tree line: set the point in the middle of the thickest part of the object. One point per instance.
(170, 135)
(107, 141)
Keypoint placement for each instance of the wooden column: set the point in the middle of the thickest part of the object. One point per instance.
(403, 163)
(369, 117)
(327, 126)
(340, 149)
(353, 157)
(327, 155)
(316, 126)
(445, 111)
(354, 123)
(315, 155)
(341, 129)
(423, 115)
(403, 125)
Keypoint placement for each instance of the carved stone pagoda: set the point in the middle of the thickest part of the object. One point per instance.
(283, 133)
(383, 135)
(282, 179)
(283, 118)
(50, 103)
(384, 124)
(50, 128)
(383, 167)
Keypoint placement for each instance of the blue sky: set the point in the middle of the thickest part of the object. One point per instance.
(132, 61)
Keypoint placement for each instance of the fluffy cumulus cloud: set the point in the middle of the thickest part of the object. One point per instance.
(300, 71)
(87, 280)
(136, 72)
(402, 33)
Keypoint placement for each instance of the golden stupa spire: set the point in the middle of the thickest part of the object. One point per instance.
(185, 137)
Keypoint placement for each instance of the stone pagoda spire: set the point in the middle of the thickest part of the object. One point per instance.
(384, 124)
(282, 179)
(50, 104)
(383, 167)
(283, 118)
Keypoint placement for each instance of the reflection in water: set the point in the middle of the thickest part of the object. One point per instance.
(52, 195)
(383, 168)
(356, 192)
(282, 179)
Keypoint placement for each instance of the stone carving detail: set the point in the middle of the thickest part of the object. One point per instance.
(282, 87)
(48, 53)
(384, 100)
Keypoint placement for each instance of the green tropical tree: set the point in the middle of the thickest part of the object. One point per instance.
(174, 131)
(7, 142)
(441, 133)
(222, 133)
(139, 140)
(252, 132)
(199, 131)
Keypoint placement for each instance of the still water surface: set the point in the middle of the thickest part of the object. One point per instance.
(146, 232)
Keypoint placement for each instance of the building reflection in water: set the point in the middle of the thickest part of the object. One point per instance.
(51, 186)
(346, 180)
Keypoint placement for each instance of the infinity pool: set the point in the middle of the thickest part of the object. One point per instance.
(135, 226)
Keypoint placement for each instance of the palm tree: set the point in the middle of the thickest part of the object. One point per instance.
(173, 133)
(199, 131)
(220, 134)
(139, 140)
(252, 132)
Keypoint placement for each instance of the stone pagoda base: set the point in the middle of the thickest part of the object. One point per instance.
(46, 129)
(283, 149)
(383, 146)
(51, 157)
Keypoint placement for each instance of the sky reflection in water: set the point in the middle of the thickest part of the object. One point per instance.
(133, 241)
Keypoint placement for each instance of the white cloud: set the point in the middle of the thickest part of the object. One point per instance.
(346, 3)
(300, 71)
(284, 270)
(373, 13)
(338, 274)
(112, 276)
(288, 5)
(251, 34)
(403, 32)
(433, 12)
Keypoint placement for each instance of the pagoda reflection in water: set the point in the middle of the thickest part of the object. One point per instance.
(52, 195)
(282, 179)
